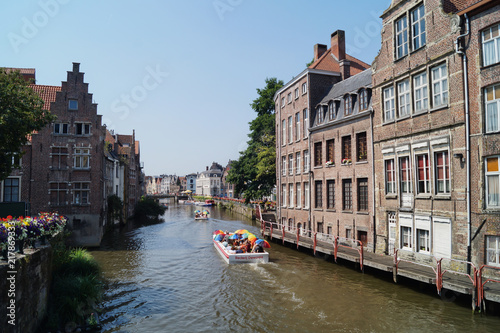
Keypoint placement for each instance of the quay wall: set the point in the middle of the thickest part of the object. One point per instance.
(24, 288)
(237, 207)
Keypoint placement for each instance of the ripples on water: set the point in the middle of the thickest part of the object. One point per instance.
(169, 278)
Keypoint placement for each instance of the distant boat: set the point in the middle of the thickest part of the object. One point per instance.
(201, 215)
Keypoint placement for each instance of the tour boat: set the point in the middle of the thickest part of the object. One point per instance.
(237, 258)
(201, 217)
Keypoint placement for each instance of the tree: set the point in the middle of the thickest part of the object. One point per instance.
(21, 113)
(254, 173)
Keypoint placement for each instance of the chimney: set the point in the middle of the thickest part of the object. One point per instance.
(338, 44)
(338, 50)
(76, 67)
(207, 168)
(319, 50)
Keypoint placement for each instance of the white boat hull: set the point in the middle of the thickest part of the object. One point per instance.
(237, 258)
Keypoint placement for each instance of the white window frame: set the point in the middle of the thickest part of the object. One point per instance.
(283, 132)
(290, 129)
(307, 198)
(417, 17)
(492, 108)
(296, 93)
(297, 162)
(446, 173)
(493, 250)
(81, 158)
(289, 97)
(297, 126)
(298, 193)
(492, 182)
(389, 106)
(282, 102)
(404, 102)
(306, 160)
(420, 92)
(427, 173)
(78, 193)
(59, 128)
(409, 246)
(72, 104)
(3, 183)
(490, 39)
(393, 173)
(290, 196)
(305, 119)
(290, 164)
(439, 77)
(283, 195)
(85, 129)
(304, 88)
(401, 33)
(283, 165)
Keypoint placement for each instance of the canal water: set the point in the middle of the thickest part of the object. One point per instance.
(168, 277)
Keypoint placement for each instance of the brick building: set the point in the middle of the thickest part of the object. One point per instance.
(293, 105)
(480, 49)
(342, 168)
(419, 134)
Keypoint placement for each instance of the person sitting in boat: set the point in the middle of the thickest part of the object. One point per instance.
(257, 248)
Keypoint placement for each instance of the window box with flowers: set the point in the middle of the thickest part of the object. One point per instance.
(346, 161)
(329, 163)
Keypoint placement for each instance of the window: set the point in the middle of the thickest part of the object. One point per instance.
(405, 177)
(290, 164)
(58, 194)
(297, 162)
(296, 93)
(283, 132)
(404, 98)
(346, 149)
(492, 100)
(81, 193)
(363, 100)
(306, 195)
(318, 194)
(331, 110)
(406, 238)
(283, 165)
(290, 196)
(305, 114)
(401, 37)
(389, 103)
(361, 147)
(73, 104)
(289, 98)
(347, 194)
(347, 105)
(423, 241)
(493, 250)
(420, 92)
(318, 149)
(319, 115)
(363, 194)
(439, 86)
(11, 190)
(491, 45)
(282, 102)
(306, 160)
(330, 194)
(290, 129)
(82, 158)
(492, 182)
(304, 88)
(423, 174)
(297, 126)
(283, 195)
(82, 129)
(442, 172)
(390, 177)
(59, 157)
(330, 151)
(298, 192)
(418, 27)
(60, 128)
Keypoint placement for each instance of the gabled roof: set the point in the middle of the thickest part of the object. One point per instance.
(328, 62)
(47, 93)
(349, 85)
(455, 6)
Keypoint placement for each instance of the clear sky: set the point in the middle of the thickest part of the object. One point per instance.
(181, 73)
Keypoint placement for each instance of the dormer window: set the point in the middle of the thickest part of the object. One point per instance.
(331, 110)
(73, 104)
(347, 105)
(363, 100)
(319, 114)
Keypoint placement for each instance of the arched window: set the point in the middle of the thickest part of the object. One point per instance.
(363, 99)
(331, 110)
(347, 105)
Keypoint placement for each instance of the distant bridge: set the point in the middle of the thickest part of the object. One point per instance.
(167, 196)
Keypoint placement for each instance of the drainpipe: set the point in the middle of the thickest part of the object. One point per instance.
(278, 162)
(373, 183)
(309, 117)
(467, 135)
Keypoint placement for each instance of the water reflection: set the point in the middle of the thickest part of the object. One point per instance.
(169, 278)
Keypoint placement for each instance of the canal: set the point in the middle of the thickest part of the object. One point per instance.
(168, 277)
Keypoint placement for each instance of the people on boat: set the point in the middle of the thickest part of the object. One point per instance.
(257, 248)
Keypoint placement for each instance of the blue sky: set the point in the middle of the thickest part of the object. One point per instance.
(181, 73)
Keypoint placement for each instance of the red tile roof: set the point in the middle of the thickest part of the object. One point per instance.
(327, 62)
(455, 6)
(47, 93)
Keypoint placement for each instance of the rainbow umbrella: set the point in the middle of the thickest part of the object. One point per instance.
(263, 243)
(241, 231)
(252, 238)
(218, 232)
(245, 235)
(234, 236)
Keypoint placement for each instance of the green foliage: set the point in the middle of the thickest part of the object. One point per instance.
(148, 209)
(310, 63)
(21, 113)
(254, 173)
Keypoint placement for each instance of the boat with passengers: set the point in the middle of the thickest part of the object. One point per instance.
(224, 243)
